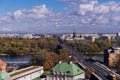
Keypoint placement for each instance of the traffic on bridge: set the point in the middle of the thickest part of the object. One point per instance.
(104, 72)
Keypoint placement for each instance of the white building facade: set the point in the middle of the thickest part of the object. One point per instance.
(29, 73)
(66, 71)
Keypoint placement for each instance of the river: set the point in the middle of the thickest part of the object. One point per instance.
(25, 58)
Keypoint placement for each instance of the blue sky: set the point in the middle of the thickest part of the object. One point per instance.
(108, 0)
(13, 5)
(59, 16)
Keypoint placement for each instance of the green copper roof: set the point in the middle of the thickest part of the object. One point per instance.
(67, 68)
(4, 76)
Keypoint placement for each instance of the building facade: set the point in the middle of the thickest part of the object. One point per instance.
(111, 56)
(66, 71)
(29, 73)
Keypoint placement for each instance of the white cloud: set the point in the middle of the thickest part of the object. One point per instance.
(101, 9)
(84, 8)
(6, 29)
(6, 19)
(78, 1)
(86, 13)
(74, 0)
(116, 18)
(93, 7)
(18, 13)
(36, 12)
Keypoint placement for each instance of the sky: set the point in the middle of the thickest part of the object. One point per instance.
(60, 16)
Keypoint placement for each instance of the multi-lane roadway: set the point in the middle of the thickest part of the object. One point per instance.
(100, 69)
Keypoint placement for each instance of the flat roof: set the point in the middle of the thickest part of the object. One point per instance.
(23, 70)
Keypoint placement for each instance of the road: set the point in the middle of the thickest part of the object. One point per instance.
(99, 69)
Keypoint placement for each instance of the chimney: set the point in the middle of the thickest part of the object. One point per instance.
(70, 62)
(60, 62)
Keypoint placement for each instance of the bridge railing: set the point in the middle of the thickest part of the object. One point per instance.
(95, 77)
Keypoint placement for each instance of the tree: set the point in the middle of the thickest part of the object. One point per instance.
(63, 55)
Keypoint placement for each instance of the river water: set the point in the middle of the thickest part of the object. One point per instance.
(25, 58)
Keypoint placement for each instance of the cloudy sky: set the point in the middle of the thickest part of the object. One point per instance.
(60, 16)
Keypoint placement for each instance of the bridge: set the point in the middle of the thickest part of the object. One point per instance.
(94, 76)
(100, 71)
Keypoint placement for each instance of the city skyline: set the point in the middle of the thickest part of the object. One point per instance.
(60, 16)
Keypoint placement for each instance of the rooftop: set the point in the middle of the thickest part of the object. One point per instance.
(68, 68)
(23, 70)
(4, 76)
(2, 63)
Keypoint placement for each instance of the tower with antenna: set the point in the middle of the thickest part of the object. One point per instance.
(74, 36)
(74, 33)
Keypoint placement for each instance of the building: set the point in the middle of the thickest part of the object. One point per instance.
(118, 34)
(3, 74)
(118, 38)
(71, 37)
(67, 37)
(29, 73)
(66, 71)
(111, 56)
(25, 36)
(107, 36)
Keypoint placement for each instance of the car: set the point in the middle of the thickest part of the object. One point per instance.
(111, 76)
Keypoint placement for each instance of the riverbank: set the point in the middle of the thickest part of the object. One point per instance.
(15, 55)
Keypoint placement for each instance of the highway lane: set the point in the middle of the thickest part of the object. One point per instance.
(107, 69)
(102, 73)
(98, 70)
